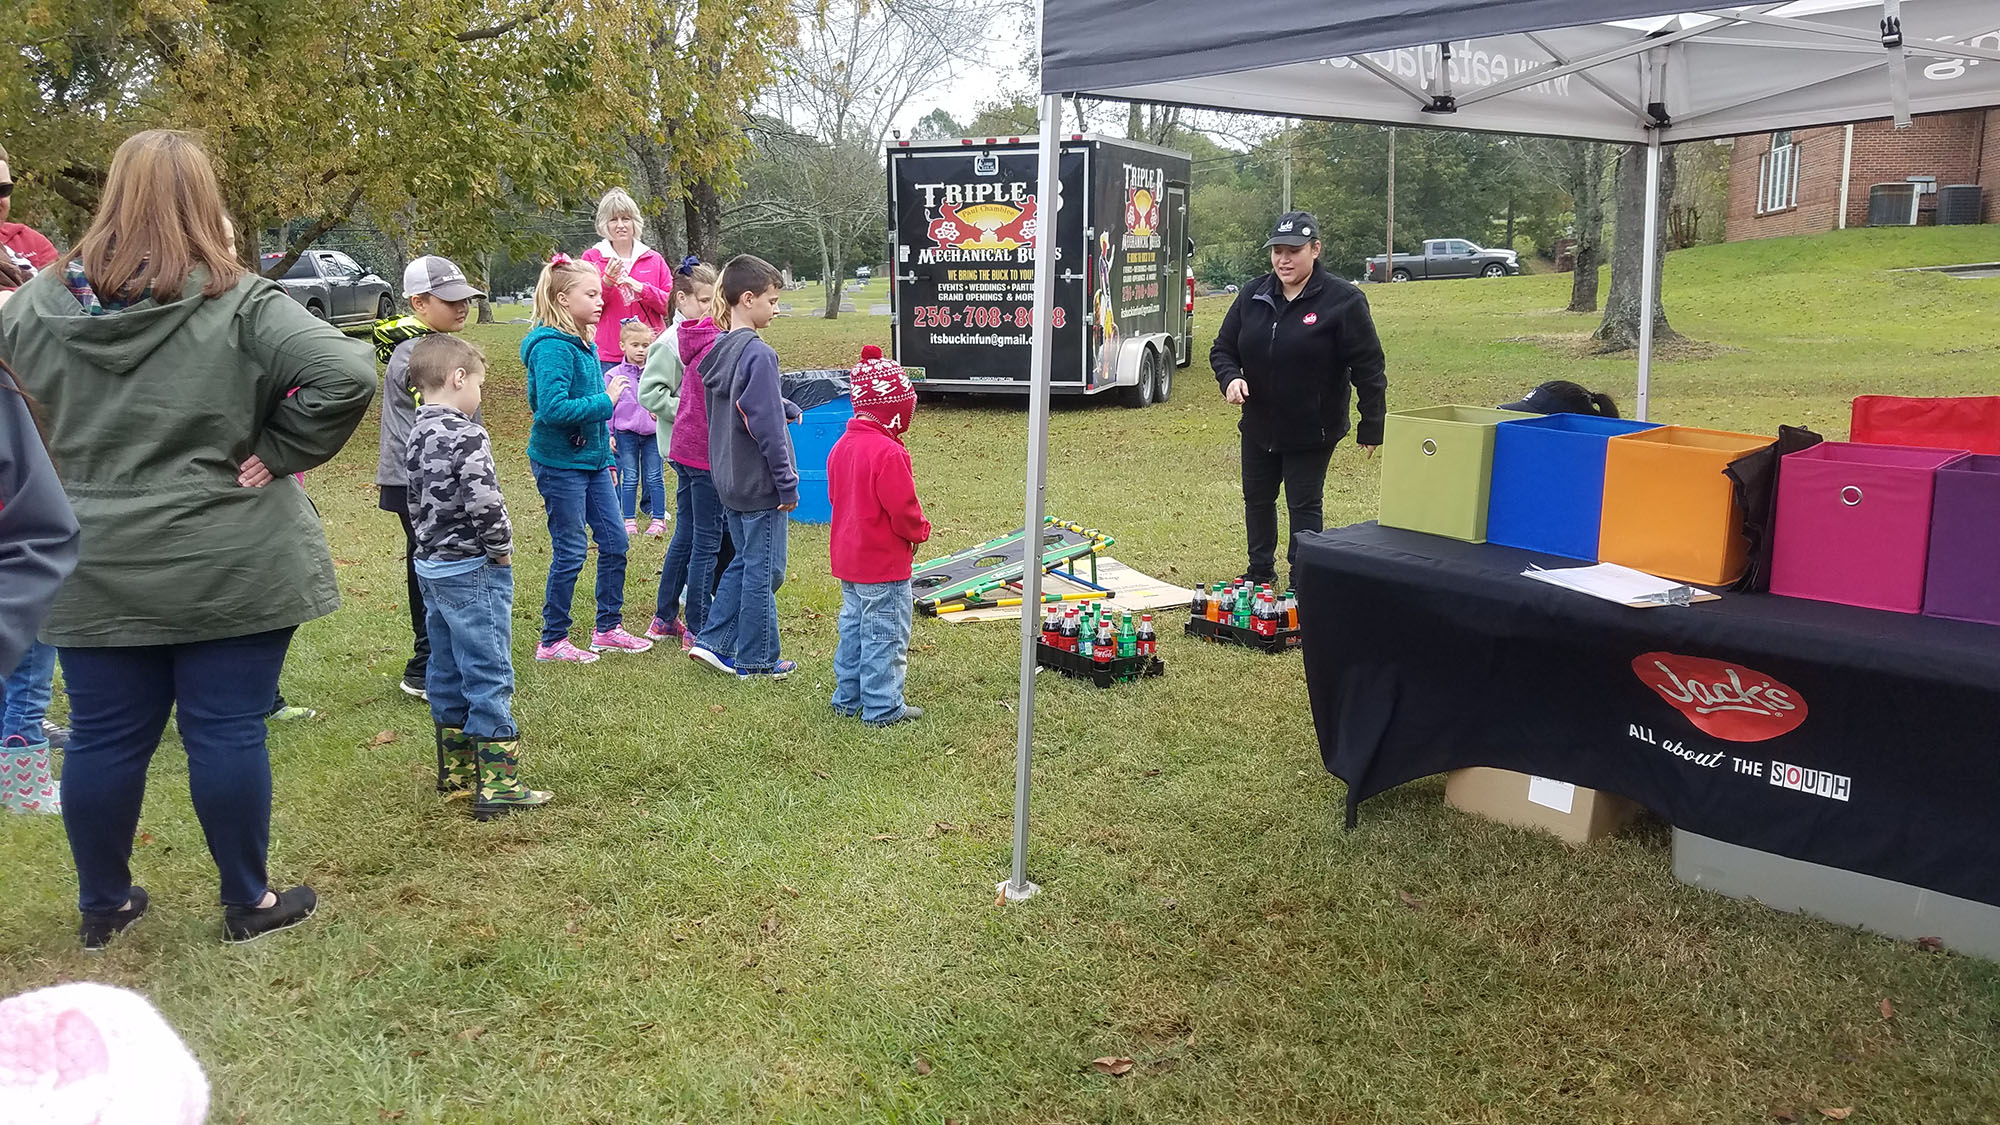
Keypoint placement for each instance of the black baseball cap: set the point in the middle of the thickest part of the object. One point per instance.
(1558, 396)
(1295, 228)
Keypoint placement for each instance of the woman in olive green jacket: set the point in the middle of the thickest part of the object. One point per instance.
(181, 392)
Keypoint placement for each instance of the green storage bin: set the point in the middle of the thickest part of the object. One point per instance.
(1437, 464)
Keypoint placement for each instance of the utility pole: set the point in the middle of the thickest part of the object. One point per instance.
(1389, 262)
(1287, 206)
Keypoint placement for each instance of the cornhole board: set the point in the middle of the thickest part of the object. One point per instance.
(1125, 589)
(989, 570)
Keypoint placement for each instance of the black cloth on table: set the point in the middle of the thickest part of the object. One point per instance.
(1424, 655)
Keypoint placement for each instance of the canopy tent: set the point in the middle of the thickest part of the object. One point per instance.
(1624, 71)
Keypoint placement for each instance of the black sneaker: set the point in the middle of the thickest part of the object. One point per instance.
(1270, 579)
(97, 930)
(909, 714)
(248, 923)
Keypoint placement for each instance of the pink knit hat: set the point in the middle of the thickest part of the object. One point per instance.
(883, 389)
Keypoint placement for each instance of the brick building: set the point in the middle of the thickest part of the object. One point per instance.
(1789, 182)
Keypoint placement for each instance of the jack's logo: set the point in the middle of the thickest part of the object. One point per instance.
(984, 226)
(1722, 700)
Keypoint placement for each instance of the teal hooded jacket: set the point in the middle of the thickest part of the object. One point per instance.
(566, 394)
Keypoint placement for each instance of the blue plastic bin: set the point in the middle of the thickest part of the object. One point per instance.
(1548, 482)
(812, 441)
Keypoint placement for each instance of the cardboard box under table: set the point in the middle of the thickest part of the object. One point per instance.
(1548, 482)
(1668, 508)
(1963, 578)
(1437, 467)
(1574, 814)
(1854, 524)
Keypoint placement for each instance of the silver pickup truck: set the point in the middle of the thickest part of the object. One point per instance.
(336, 289)
(1446, 257)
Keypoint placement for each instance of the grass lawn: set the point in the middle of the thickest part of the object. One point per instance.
(741, 908)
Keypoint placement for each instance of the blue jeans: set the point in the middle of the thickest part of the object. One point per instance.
(874, 650)
(24, 695)
(639, 455)
(742, 622)
(576, 498)
(691, 554)
(471, 675)
(119, 699)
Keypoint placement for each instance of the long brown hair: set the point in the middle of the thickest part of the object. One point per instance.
(160, 218)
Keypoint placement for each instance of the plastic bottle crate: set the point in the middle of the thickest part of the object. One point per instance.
(1437, 466)
(1227, 633)
(1121, 669)
(1548, 482)
(1854, 524)
(1964, 581)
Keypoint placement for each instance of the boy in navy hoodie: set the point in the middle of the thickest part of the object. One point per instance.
(754, 470)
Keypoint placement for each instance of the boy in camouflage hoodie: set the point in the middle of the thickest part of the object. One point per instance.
(464, 560)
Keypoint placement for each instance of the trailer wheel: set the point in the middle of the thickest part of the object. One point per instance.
(1143, 392)
(1164, 385)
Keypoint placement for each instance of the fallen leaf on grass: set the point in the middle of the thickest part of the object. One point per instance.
(1169, 903)
(1000, 899)
(1150, 773)
(938, 829)
(1410, 900)
(822, 775)
(419, 1052)
(1783, 1115)
(145, 837)
(391, 1114)
(881, 836)
(1841, 1114)
(1930, 944)
(770, 924)
(921, 1064)
(789, 889)
(717, 708)
(471, 1033)
(1116, 1066)
(1888, 1009)
(383, 739)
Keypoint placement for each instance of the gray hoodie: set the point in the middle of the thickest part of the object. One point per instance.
(749, 452)
(38, 534)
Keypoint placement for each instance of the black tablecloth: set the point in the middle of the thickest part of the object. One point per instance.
(1859, 739)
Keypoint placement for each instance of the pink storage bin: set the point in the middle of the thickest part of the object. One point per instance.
(1854, 524)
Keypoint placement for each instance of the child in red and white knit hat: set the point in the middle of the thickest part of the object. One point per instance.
(877, 524)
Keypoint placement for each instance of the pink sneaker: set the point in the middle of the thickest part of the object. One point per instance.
(662, 630)
(656, 529)
(618, 640)
(564, 652)
(631, 527)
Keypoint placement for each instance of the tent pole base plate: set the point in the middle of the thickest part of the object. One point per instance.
(1012, 893)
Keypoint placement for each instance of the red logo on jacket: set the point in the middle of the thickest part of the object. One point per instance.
(1311, 318)
(1723, 700)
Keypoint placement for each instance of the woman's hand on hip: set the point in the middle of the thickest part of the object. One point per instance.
(253, 474)
(1236, 392)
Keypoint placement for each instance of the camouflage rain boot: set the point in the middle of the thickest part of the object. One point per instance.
(500, 788)
(458, 761)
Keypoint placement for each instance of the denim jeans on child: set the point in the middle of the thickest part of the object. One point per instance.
(119, 698)
(692, 553)
(639, 459)
(24, 695)
(471, 674)
(743, 620)
(576, 498)
(874, 650)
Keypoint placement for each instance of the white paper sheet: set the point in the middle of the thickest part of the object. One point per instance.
(1552, 794)
(1609, 581)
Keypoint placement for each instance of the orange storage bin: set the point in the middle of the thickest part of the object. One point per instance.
(1668, 508)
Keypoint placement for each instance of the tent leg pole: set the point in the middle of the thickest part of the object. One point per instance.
(1649, 273)
(1017, 887)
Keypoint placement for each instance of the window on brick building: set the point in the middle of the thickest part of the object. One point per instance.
(1778, 175)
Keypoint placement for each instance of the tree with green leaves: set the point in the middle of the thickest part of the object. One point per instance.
(425, 117)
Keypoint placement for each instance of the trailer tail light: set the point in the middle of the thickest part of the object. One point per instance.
(1190, 292)
(966, 141)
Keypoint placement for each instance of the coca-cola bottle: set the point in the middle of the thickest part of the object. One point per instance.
(1149, 641)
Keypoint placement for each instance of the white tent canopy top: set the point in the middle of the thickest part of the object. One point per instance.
(1540, 67)
(1621, 71)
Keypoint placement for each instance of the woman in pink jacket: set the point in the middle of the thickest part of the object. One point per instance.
(637, 281)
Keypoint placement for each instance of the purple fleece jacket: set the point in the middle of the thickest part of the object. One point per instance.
(627, 416)
(749, 452)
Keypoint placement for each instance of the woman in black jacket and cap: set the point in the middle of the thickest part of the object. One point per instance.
(1292, 346)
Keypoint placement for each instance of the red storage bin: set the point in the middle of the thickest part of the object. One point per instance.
(1854, 524)
(1969, 424)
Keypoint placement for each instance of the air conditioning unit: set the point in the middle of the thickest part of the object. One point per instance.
(1893, 205)
(1960, 204)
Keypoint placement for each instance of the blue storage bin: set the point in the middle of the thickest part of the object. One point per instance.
(813, 438)
(1548, 482)
(815, 505)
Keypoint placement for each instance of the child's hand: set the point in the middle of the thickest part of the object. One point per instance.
(505, 560)
(253, 474)
(617, 387)
(614, 445)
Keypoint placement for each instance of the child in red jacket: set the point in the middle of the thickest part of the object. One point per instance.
(877, 524)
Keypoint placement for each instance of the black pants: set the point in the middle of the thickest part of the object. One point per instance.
(395, 499)
(1303, 474)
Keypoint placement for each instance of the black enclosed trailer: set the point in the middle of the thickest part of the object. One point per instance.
(962, 224)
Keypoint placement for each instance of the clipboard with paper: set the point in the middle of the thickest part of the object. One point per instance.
(1623, 585)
